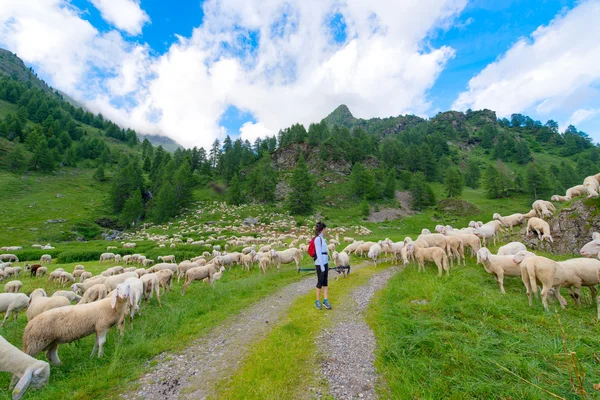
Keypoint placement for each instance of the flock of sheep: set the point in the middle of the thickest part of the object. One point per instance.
(107, 299)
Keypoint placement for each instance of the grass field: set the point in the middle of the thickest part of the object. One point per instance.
(181, 319)
(457, 344)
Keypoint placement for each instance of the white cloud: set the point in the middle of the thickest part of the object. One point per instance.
(296, 73)
(582, 115)
(556, 69)
(251, 131)
(126, 15)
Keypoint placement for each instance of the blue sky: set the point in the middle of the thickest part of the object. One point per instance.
(198, 70)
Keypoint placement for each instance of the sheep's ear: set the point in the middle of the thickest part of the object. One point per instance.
(595, 236)
(113, 299)
(22, 385)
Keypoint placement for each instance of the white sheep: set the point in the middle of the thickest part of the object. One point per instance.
(433, 254)
(341, 260)
(13, 287)
(511, 248)
(112, 281)
(575, 191)
(591, 249)
(581, 272)
(592, 187)
(94, 293)
(198, 273)
(498, 266)
(167, 259)
(136, 288)
(548, 272)
(286, 257)
(41, 271)
(456, 249)
(151, 284)
(9, 258)
(217, 275)
(544, 208)
(66, 277)
(38, 303)
(106, 257)
(67, 324)
(69, 294)
(88, 283)
(183, 267)
(541, 227)
(13, 303)
(159, 266)
(165, 278)
(46, 259)
(363, 248)
(374, 253)
(510, 221)
(27, 371)
(85, 275)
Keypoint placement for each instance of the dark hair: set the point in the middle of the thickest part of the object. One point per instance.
(319, 228)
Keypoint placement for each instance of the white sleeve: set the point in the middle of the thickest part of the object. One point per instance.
(319, 251)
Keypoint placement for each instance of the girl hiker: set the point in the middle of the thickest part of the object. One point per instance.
(321, 258)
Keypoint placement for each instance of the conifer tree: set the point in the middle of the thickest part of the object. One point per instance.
(300, 200)
(472, 175)
(235, 194)
(389, 190)
(453, 182)
(133, 209)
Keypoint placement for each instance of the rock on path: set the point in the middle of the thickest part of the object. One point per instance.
(348, 347)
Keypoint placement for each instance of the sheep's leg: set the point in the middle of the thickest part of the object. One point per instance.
(101, 338)
(439, 265)
(561, 299)
(545, 291)
(593, 291)
(158, 295)
(8, 312)
(500, 279)
(52, 354)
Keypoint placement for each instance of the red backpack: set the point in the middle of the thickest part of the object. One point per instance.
(311, 249)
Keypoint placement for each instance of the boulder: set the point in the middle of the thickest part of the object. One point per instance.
(250, 221)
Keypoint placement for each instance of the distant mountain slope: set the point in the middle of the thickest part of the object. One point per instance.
(157, 140)
(342, 116)
(14, 67)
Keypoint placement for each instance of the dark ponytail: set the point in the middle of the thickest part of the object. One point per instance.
(319, 228)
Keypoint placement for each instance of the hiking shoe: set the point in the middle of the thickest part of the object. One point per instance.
(318, 304)
(326, 304)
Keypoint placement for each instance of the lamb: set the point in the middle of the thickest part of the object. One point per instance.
(248, 259)
(38, 303)
(541, 227)
(94, 293)
(151, 283)
(286, 257)
(456, 249)
(106, 257)
(27, 371)
(263, 263)
(341, 260)
(592, 187)
(545, 208)
(498, 266)
(69, 294)
(13, 302)
(198, 273)
(434, 254)
(217, 275)
(363, 248)
(112, 281)
(374, 253)
(13, 287)
(396, 249)
(168, 259)
(41, 271)
(511, 248)
(510, 221)
(85, 275)
(147, 262)
(575, 191)
(67, 324)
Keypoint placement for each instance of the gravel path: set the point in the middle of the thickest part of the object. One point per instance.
(348, 347)
(217, 354)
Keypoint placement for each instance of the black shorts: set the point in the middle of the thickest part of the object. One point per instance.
(322, 276)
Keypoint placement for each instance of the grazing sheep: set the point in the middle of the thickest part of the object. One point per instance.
(13, 287)
(456, 249)
(106, 257)
(46, 259)
(94, 293)
(88, 283)
(117, 259)
(498, 266)
(129, 245)
(2, 276)
(66, 277)
(286, 257)
(197, 274)
(510, 221)
(544, 208)
(111, 248)
(151, 283)
(548, 272)
(486, 232)
(341, 260)
(128, 259)
(348, 240)
(581, 272)
(433, 254)
(140, 272)
(575, 191)
(41, 271)
(12, 303)
(217, 275)
(136, 288)
(159, 266)
(397, 249)
(541, 227)
(27, 371)
(69, 294)
(67, 324)
(434, 240)
(247, 260)
(147, 262)
(468, 239)
(9, 258)
(510, 249)
(165, 279)
(592, 187)
(39, 303)
(112, 281)
(530, 214)
(363, 248)
(351, 248)
(183, 267)
(167, 259)
(85, 275)
(374, 253)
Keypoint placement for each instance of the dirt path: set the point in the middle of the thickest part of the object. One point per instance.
(194, 373)
(349, 345)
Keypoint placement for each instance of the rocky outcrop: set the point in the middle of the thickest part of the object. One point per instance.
(284, 159)
(571, 228)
